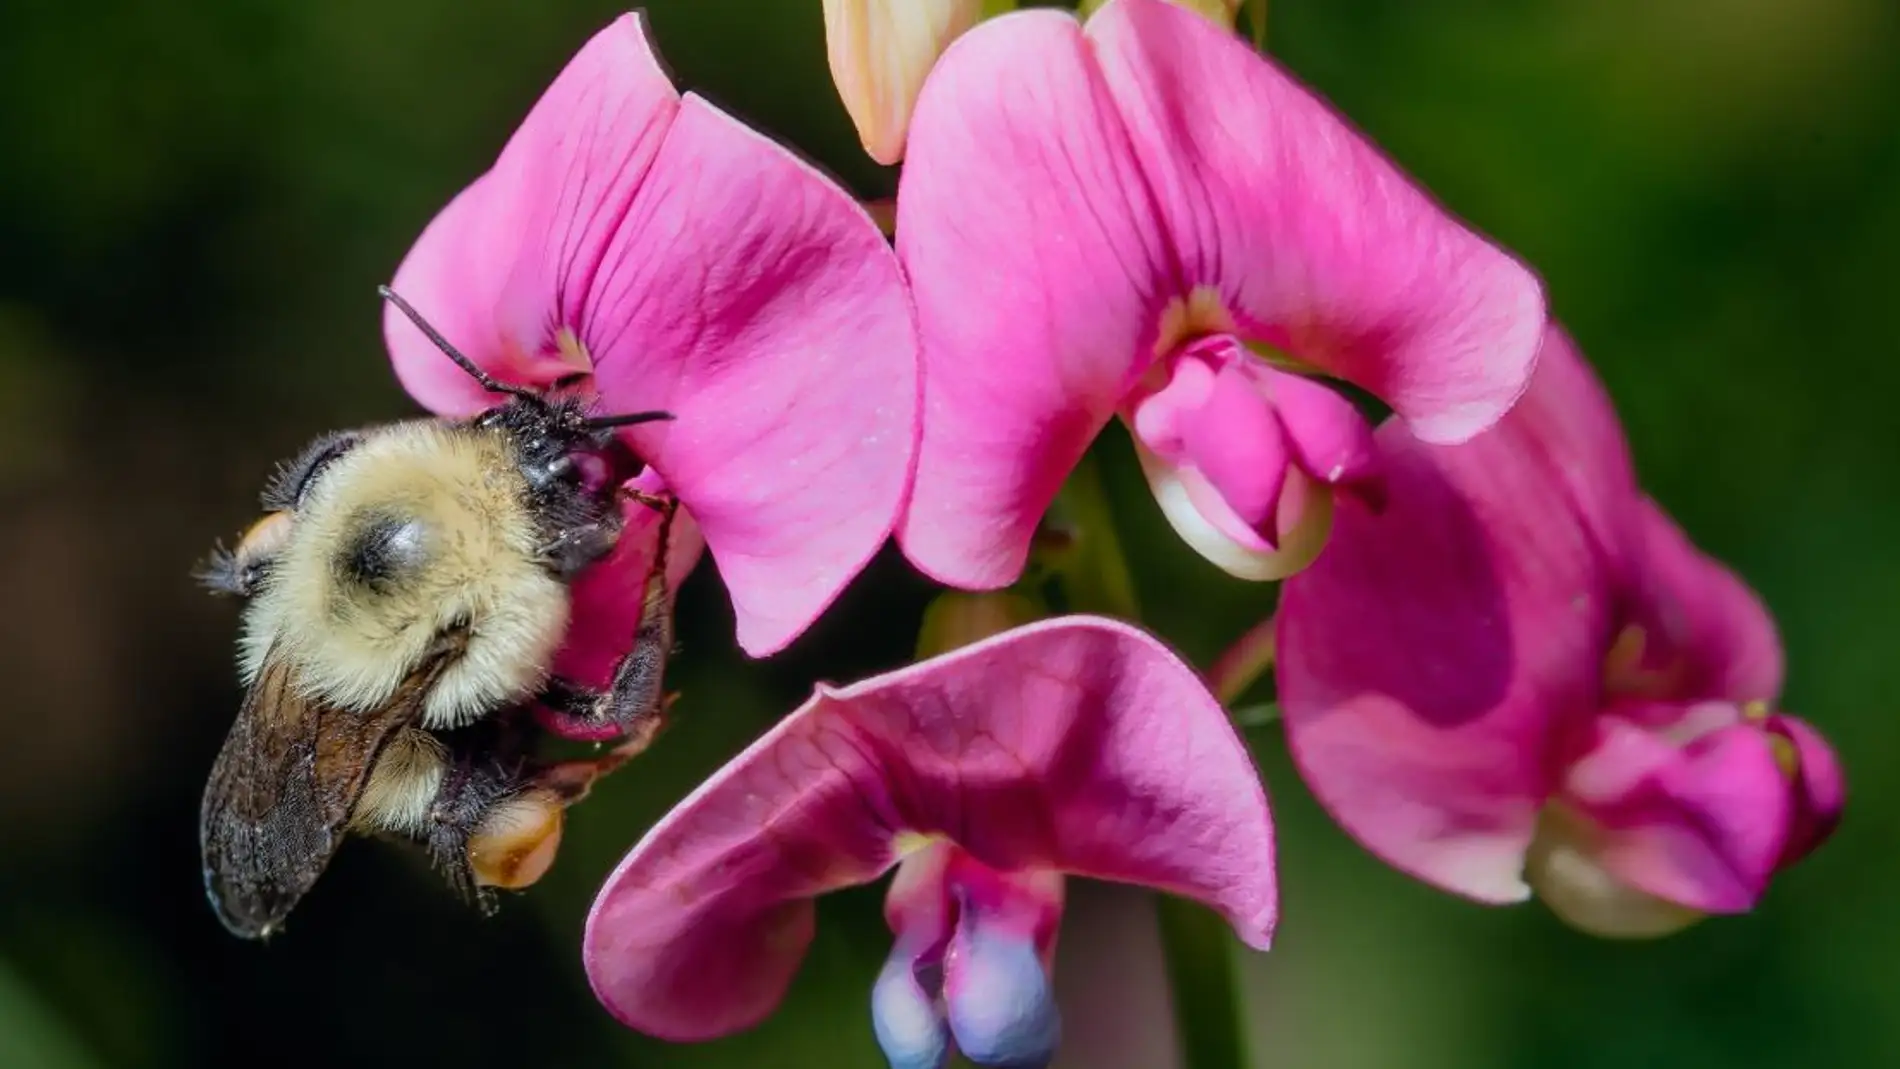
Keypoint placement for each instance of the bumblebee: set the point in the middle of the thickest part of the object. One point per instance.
(404, 597)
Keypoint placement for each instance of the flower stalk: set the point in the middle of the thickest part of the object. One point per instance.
(1092, 574)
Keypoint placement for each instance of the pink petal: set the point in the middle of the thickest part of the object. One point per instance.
(1076, 744)
(1311, 237)
(1234, 439)
(1702, 619)
(1820, 787)
(701, 269)
(1331, 440)
(1212, 442)
(608, 600)
(509, 262)
(756, 301)
(1437, 651)
(1037, 275)
(1702, 826)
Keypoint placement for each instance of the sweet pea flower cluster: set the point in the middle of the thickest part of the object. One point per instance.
(1520, 676)
(1502, 668)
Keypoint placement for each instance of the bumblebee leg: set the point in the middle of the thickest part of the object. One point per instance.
(472, 787)
(635, 702)
(577, 547)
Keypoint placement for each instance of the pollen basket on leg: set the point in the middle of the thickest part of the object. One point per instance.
(419, 543)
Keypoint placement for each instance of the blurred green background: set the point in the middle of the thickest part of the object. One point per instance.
(198, 199)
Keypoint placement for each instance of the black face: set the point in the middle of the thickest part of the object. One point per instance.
(574, 467)
(552, 437)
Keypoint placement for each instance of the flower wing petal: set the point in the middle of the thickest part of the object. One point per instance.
(1702, 826)
(1432, 656)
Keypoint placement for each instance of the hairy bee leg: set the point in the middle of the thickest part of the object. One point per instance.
(570, 781)
(635, 702)
(468, 794)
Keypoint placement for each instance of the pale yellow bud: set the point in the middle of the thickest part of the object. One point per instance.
(1221, 12)
(881, 51)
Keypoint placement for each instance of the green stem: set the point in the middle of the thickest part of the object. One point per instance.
(1239, 665)
(1201, 975)
(1086, 562)
(1259, 17)
(1090, 568)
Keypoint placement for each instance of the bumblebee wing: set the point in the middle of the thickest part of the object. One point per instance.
(280, 795)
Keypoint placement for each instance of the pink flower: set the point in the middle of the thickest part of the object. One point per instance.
(1144, 218)
(680, 261)
(1520, 675)
(1071, 746)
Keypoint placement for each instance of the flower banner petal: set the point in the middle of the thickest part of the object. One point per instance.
(694, 266)
(1076, 744)
(1037, 276)
(755, 300)
(1715, 632)
(1315, 241)
(507, 265)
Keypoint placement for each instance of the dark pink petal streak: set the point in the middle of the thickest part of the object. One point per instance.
(1079, 745)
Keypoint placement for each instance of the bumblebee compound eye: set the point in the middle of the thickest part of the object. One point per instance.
(515, 844)
(383, 549)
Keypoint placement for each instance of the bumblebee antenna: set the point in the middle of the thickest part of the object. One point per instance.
(627, 419)
(488, 382)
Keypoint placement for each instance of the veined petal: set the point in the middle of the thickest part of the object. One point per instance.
(694, 266)
(1078, 745)
(1314, 241)
(508, 264)
(1701, 825)
(1704, 629)
(1039, 272)
(756, 301)
(880, 51)
(1433, 656)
